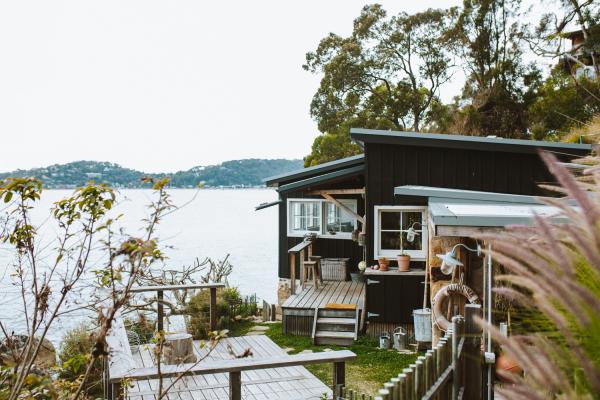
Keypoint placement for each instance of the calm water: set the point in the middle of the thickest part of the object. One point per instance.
(215, 223)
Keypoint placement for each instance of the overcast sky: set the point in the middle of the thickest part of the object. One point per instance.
(162, 85)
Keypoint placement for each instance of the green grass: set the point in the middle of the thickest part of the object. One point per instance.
(372, 368)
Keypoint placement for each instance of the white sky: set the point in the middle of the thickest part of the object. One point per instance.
(163, 85)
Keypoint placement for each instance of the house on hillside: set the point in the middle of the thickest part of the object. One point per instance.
(579, 61)
(413, 193)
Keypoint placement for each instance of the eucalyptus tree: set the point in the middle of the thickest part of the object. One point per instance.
(386, 74)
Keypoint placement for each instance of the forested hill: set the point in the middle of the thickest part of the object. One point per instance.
(235, 173)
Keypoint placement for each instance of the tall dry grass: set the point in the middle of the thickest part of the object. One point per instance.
(555, 268)
(586, 132)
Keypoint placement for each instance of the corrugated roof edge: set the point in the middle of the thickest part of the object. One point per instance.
(465, 142)
(321, 168)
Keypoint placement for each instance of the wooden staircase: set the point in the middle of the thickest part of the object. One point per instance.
(337, 327)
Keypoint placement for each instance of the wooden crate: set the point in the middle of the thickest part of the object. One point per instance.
(334, 269)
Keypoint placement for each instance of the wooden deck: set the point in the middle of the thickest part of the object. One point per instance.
(342, 292)
(276, 383)
(299, 309)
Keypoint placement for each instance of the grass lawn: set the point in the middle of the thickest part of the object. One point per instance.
(372, 368)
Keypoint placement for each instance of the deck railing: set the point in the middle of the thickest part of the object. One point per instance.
(167, 288)
(301, 251)
(451, 370)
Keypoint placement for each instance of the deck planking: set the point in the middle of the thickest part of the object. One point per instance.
(341, 292)
(275, 383)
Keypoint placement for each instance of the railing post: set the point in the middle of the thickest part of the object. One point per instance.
(213, 309)
(235, 385)
(456, 378)
(472, 353)
(292, 261)
(339, 377)
(160, 309)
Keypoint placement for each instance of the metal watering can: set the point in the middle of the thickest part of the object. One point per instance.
(400, 339)
(384, 341)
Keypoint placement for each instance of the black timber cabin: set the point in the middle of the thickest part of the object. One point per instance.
(309, 203)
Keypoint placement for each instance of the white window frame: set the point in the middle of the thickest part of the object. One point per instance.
(418, 255)
(352, 203)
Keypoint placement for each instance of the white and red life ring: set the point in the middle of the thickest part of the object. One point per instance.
(436, 304)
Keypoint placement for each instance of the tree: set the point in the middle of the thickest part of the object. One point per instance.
(385, 75)
(487, 38)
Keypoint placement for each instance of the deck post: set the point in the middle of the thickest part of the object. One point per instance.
(293, 272)
(339, 377)
(472, 349)
(160, 307)
(235, 385)
(213, 309)
(456, 370)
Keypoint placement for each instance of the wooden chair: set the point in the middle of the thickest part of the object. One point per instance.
(319, 273)
(312, 269)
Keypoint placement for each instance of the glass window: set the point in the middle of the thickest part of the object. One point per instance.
(306, 216)
(338, 219)
(392, 231)
(321, 217)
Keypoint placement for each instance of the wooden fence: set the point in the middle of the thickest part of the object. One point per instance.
(451, 370)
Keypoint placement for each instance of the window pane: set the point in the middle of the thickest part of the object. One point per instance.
(338, 220)
(306, 216)
(390, 241)
(390, 220)
(415, 245)
(409, 218)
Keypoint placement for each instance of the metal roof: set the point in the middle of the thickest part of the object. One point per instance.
(455, 207)
(262, 206)
(467, 142)
(342, 173)
(304, 173)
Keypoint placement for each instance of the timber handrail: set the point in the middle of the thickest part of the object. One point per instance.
(300, 249)
(160, 289)
(235, 365)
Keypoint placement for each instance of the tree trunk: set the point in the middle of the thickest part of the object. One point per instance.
(178, 349)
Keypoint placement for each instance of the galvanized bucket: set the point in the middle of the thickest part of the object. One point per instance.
(422, 320)
(384, 341)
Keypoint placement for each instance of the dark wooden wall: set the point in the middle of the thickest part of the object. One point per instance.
(332, 248)
(388, 166)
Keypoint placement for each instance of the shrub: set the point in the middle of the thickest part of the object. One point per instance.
(142, 326)
(229, 306)
(75, 352)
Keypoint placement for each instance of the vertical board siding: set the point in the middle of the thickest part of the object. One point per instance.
(388, 166)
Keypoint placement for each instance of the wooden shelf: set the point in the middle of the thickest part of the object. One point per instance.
(394, 271)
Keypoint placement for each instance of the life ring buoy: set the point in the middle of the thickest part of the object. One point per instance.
(447, 291)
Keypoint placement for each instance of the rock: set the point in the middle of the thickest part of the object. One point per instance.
(259, 328)
(306, 352)
(238, 318)
(46, 357)
(328, 349)
(254, 333)
(288, 349)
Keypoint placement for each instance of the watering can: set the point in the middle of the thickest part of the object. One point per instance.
(384, 340)
(400, 339)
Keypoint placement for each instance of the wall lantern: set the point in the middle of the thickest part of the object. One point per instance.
(411, 233)
(449, 260)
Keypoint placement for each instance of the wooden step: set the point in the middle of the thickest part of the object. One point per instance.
(329, 313)
(334, 337)
(341, 321)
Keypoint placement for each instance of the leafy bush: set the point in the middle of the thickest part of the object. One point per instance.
(74, 355)
(230, 306)
(142, 326)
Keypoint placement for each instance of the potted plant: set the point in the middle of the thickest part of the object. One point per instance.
(358, 276)
(384, 263)
(403, 259)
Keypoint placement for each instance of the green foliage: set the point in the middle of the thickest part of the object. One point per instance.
(248, 172)
(74, 356)
(229, 306)
(143, 327)
(385, 75)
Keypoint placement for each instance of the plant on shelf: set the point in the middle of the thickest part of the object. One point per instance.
(384, 263)
(403, 259)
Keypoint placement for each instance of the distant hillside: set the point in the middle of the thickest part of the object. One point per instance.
(236, 173)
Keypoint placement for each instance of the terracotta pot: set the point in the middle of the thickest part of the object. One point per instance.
(384, 265)
(403, 263)
(507, 369)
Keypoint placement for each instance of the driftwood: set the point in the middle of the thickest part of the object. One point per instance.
(178, 349)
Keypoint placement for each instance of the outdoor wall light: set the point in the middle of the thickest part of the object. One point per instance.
(411, 233)
(449, 260)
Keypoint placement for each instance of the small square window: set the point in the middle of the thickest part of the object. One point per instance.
(392, 224)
